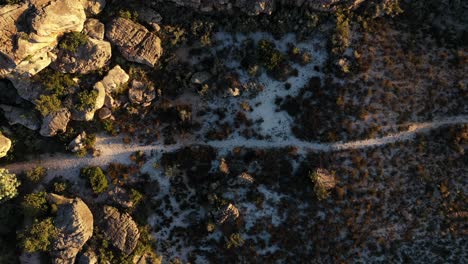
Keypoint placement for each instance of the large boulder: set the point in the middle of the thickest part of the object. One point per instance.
(94, 55)
(74, 222)
(5, 145)
(16, 115)
(55, 123)
(114, 79)
(134, 41)
(120, 229)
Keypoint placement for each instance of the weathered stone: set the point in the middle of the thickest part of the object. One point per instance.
(120, 230)
(5, 145)
(26, 88)
(94, 29)
(92, 56)
(140, 93)
(134, 41)
(74, 222)
(104, 113)
(55, 123)
(114, 79)
(77, 144)
(16, 115)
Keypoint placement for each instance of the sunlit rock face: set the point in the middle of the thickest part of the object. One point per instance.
(5, 145)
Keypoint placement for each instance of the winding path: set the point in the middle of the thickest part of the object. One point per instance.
(114, 150)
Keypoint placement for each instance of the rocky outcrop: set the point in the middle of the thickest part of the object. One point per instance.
(134, 41)
(55, 123)
(94, 55)
(120, 229)
(74, 222)
(94, 29)
(16, 115)
(140, 93)
(114, 79)
(5, 145)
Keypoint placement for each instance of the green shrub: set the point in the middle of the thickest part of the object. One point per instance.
(86, 100)
(97, 179)
(268, 55)
(34, 204)
(128, 15)
(36, 174)
(48, 104)
(135, 196)
(341, 38)
(39, 236)
(8, 185)
(320, 190)
(55, 82)
(235, 240)
(71, 41)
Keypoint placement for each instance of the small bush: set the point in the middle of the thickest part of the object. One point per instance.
(269, 56)
(56, 83)
(72, 41)
(135, 196)
(34, 204)
(39, 236)
(48, 104)
(235, 240)
(8, 185)
(128, 15)
(97, 179)
(36, 174)
(86, 100)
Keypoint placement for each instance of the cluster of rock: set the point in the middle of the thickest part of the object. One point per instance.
(75, 222)
(28, 44)
(256, 7)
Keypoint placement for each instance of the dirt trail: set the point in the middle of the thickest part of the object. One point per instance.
(114, 150)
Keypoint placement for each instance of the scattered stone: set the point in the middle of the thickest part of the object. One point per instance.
(223, 167)
(120, 230)
(5, 145)
(16, 115)
(55, 123)
(93, 7)
(140, 93)
(94, 55)
(228, 214)
(74, 222)
(77, 144)
(134, 41)
(104, 113)
(199, 78)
